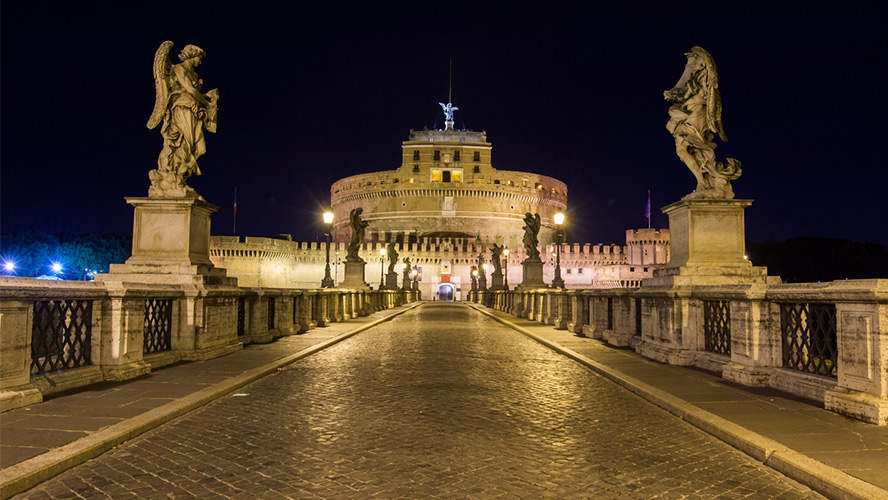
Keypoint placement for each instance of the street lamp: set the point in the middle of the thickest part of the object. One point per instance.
(381, 271)
(557, 282)
(506, 268)
(328, 282)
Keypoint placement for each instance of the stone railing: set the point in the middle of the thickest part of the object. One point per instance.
(822, 341)
(60, 335)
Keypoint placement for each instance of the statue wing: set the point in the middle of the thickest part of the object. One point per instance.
(161, 83)
(711, 93)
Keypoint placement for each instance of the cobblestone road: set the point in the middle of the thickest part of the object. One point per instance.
(440, 402)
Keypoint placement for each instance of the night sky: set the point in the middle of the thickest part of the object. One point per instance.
(311, 96)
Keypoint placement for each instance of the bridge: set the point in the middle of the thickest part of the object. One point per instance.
(433, 399)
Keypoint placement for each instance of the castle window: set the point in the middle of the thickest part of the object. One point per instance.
(436, 175)
(496, 181)
(395, 181)
(456, 156)
(480, 181)
(445, 176)
(645, 269)
(537, 185)
(568, 271)
(580, 271)
(476, 156)
(431, 139)
(477, 169)
(437, 155)
(416, 156)
(416, 168)
(631, 269)
(510, 183)
(462, 139)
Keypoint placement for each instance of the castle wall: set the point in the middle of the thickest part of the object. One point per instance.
(268, 262)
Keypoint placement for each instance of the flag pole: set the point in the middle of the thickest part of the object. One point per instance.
(234, 226)
(649, 209)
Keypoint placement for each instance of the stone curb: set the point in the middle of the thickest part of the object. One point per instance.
(822, 478)
(25, 475)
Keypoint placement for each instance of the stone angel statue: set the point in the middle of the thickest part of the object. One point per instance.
(392, 255)
(532, 224)
(358, 226)
(186, 112)
(405, 275)
(496, 257)
(694, 118)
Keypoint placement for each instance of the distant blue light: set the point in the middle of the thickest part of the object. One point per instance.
(56, 267)
(9, 265)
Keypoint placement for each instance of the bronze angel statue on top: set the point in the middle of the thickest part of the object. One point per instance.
(694, 118)
(186, 113)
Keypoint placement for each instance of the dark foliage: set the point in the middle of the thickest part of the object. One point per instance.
(806, 260)
(80, 255)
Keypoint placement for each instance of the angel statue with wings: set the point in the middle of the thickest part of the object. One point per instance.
(694, 118)
(532, 224)
(186, 113)
(358, 227)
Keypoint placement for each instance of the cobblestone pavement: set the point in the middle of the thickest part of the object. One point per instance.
(440, 402)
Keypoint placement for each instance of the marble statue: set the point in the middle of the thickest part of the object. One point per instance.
(496, 257)
(532, 224)
(358, 226)
(694, 118)
(405, 275)
(186, 112)
(392, 255)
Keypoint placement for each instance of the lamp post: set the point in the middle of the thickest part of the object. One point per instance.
(557, 282)
(506, 268)
(381, 268)
(328, 282)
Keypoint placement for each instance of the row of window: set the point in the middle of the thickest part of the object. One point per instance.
(476, 156)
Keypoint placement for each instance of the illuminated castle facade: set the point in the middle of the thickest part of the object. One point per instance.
(443, 207)
(446, 187)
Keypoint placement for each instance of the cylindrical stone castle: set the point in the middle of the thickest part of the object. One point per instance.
(447, 187)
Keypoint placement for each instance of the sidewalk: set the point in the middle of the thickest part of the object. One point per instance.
(835, 455)
(42, 440)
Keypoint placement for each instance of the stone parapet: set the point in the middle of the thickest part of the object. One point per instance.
(61, 335)
(820, 341)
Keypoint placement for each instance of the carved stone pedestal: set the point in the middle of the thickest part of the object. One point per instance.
(171, 241)
(391, 281)
(496, 281)
(707, 248)
(354, 276)
(533, 274)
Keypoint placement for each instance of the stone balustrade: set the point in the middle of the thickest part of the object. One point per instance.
(60, 335)
(826, 342)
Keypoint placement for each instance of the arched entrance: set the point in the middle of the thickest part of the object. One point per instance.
(445, 291)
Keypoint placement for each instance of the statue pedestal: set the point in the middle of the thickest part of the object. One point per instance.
(391, 281)
(496, 281)
(707, 245)
(354, 276)
(171, 244)
(533, 274)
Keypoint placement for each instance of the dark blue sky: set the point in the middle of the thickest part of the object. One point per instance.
(310, 96)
